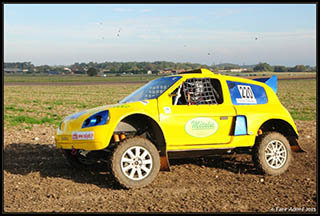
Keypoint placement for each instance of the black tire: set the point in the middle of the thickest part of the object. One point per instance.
(78, 161)
(272, 153)
(143, 168)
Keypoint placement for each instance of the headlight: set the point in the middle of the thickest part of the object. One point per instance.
(99, 118)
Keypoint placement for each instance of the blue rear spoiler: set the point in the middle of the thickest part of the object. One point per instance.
(272, 82)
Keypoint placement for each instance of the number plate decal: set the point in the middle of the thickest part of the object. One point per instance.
(246, 94)
(88, 135)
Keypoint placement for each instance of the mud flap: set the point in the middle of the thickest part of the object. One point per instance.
(164, 163)
(295, 147)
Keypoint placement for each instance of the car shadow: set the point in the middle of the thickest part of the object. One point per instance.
(25, 158)
(49, 162)
(238, 164)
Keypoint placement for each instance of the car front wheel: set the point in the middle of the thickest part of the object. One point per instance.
(272, 153)
(135, 162)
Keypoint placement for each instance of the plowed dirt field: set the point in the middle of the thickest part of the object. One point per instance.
(37, 178)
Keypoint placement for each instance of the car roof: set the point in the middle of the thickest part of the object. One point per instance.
(203, 72)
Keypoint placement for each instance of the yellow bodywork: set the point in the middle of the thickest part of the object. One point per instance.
(174, 120)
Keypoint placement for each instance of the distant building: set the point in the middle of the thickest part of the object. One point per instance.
(180, 71)
(13, 70)
(234, 70)
(53, 72)
(67, 70)
(104, 71)
(165, 72)
(239, 70)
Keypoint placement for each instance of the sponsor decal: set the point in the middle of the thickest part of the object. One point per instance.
(121, 106)
(246, 94)
(167, 109)
(163, 117)
(201, 127)
(87, 135)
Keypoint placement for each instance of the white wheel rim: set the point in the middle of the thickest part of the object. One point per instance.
(136, 163)
(276, 154)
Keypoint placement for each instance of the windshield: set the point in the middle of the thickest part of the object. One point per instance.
(151, 90)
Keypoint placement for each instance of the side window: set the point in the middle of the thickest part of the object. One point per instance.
(197, 91)
(246, 94)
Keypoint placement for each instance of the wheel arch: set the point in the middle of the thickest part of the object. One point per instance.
(283, 127)
(142, 122)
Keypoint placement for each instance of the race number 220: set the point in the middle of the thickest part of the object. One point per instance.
(246, 94)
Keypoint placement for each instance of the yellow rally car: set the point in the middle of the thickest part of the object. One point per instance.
(191, 114)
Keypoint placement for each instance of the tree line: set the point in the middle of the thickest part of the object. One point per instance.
(134, 67)
(262, 66)
(92, 68)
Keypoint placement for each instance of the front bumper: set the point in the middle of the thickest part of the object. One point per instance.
(90, 139)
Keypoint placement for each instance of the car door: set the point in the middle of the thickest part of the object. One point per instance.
(195, 113)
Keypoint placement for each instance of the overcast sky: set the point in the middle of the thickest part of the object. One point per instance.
(62, 34)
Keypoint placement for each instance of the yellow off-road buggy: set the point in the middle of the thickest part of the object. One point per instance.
(190, 114)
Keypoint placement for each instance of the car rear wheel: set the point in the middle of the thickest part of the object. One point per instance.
(272, 153)
(135, 162)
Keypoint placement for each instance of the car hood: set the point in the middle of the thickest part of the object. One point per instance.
(122, 108)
